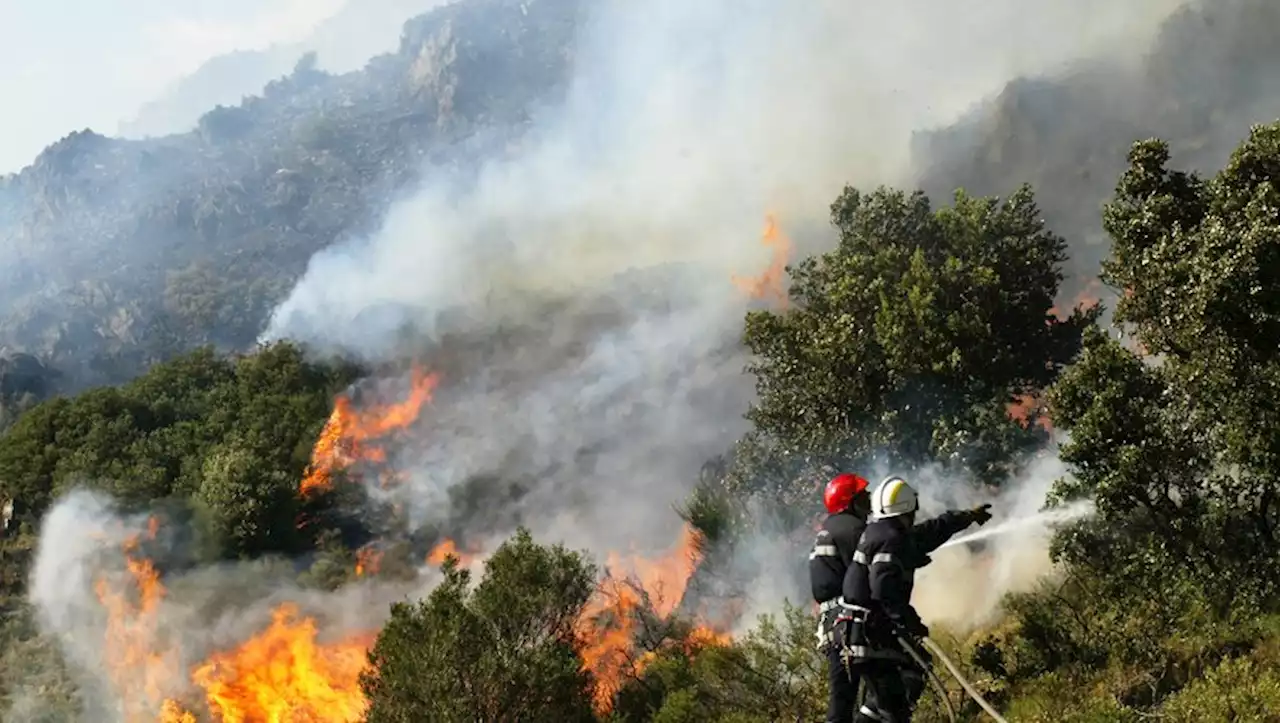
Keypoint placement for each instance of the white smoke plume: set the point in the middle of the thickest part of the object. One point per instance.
(963, 586)
(81, 581)
(685, 124)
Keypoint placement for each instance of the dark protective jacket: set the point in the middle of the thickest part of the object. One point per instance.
(882, 574)
(832, 551)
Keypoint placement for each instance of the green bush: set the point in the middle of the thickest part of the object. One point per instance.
(1239, 689)
(503, 651)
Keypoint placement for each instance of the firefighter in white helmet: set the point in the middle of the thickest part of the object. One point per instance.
(877, 591)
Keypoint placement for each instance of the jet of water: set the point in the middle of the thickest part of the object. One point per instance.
(1044, 518)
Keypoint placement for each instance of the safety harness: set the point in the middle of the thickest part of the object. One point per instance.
(826, 624)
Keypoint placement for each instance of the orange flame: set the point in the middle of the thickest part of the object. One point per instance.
(368, 558)
(609, 624)
(139, 673)
(1023, 406)
(171, 712)
(328, 454)
(1087, 298)
(284, 675)
(351, 434)
(448, 547)
(705, 637)
(770, 283)
(699, 638)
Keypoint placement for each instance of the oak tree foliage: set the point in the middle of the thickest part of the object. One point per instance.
(1182, 447)
(909, 340)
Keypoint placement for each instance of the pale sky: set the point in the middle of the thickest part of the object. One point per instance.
(71, 64)
(66, 65)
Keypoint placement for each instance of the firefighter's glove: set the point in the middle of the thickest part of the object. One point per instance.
(980, 514)
(912, 630)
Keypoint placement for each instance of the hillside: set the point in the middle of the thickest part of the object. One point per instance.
(121, 252)
(169, 243)
(224, 537)
(467, 386)
(1212, 69)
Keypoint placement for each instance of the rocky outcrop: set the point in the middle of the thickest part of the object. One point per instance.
(120, 252)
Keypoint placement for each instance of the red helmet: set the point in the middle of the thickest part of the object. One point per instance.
(841, 490)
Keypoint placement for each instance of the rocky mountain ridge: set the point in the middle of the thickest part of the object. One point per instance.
(122, 252)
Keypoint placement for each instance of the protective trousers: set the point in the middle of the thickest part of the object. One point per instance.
(893, 689)
(842, 687)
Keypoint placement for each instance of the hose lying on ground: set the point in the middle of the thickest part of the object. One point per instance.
(933, 678)
(955, 672)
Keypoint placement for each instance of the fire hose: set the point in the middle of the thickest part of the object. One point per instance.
(955, 672)
(933, 678)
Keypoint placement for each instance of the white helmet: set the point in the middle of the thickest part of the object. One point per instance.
(893, 498)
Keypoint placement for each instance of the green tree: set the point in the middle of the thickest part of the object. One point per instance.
(913, 336)
(1200, 265)
(1181, 451)
(247, 423)
(251, 509)
(506, 650)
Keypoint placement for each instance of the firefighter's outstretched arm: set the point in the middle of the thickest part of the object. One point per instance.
(930, 534)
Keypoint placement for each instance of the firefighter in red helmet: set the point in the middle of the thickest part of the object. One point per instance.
(848, 502)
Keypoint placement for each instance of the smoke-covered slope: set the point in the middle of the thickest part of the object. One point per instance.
(1213, 70)
(121, 251)
(118, 252)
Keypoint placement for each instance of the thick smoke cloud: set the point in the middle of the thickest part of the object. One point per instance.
(686, 124)
(963, 587)
(615, 228)
(81, 581)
